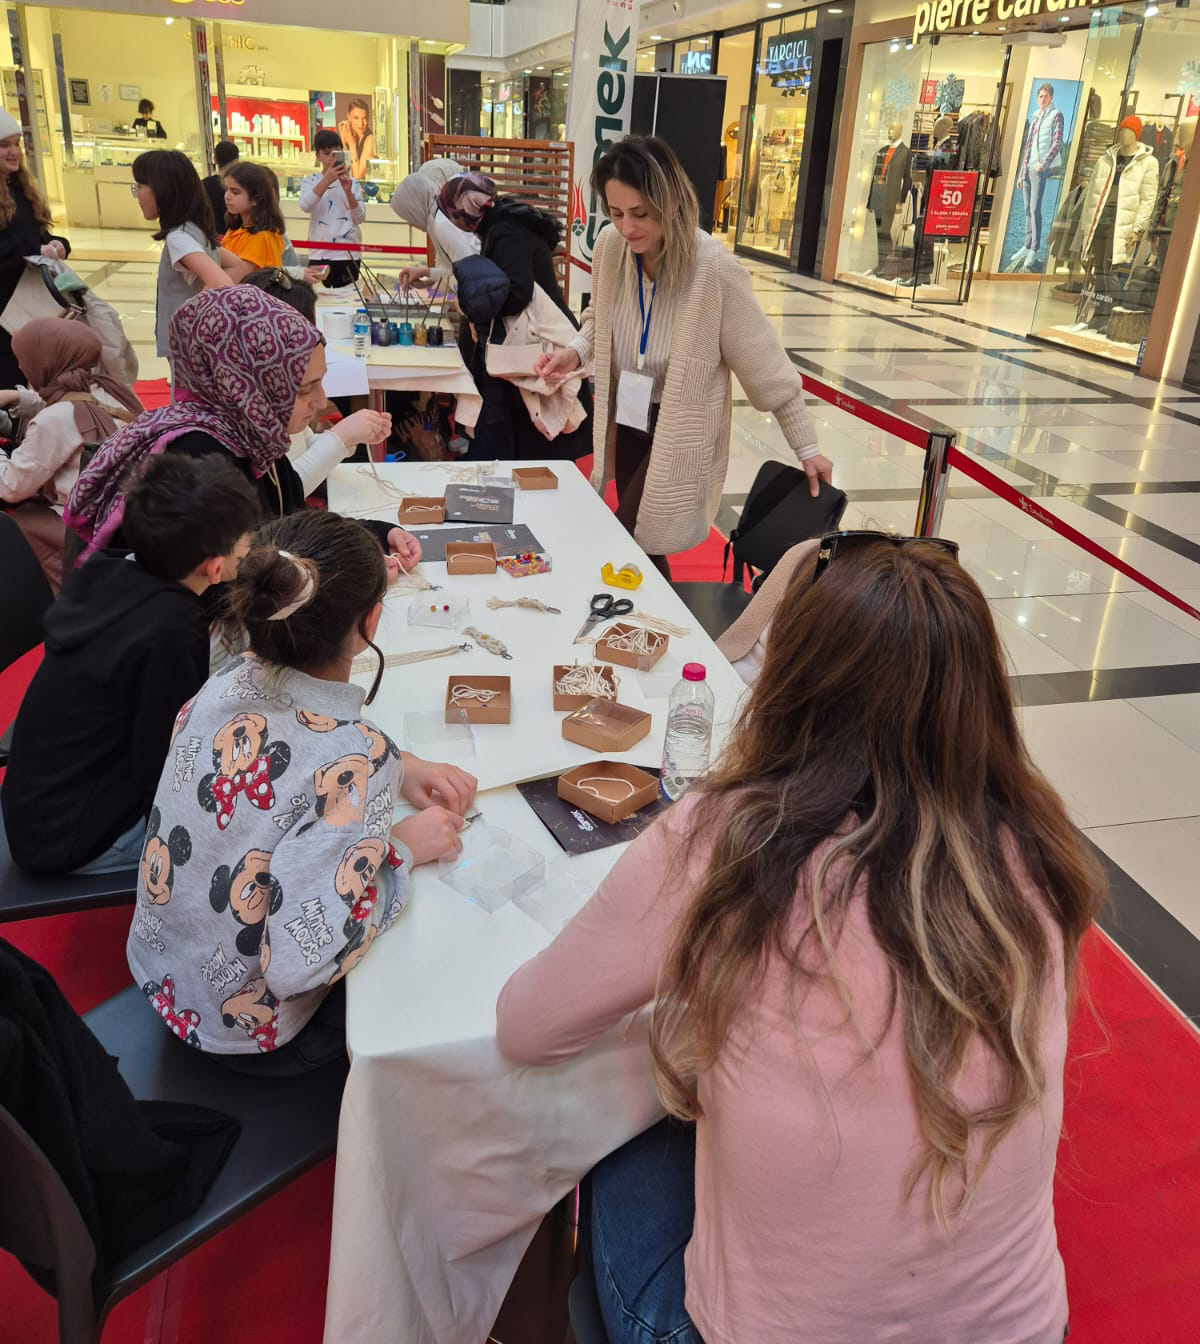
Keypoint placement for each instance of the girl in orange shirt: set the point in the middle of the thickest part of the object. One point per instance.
(254, 221)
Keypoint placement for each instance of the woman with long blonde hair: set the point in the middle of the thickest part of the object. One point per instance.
(24, 231)
(860, 936)
(672, 318)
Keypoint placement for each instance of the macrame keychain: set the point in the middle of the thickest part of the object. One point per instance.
(368, 662)
(488, 642)
(529, 603)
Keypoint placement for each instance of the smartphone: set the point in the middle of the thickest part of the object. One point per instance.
(341, 158)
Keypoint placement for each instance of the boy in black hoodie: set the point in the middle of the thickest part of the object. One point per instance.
(126, 646)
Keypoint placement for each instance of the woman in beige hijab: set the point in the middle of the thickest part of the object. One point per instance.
(415, 200)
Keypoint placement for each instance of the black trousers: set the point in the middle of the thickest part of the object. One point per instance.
(631, 462)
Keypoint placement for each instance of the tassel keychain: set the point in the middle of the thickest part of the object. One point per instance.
(368, 662)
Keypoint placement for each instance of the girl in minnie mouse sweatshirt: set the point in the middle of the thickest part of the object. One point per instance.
(271, 862)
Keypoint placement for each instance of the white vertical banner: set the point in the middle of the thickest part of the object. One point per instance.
(601, 98)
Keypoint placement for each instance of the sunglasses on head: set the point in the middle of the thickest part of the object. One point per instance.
(841, 543)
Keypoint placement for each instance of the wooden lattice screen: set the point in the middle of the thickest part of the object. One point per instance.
(537, 171)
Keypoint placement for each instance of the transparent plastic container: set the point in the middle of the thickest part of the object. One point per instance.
(556, 900)
(688, 740)
(494, 868)
(429, 735)
(438, 610)
(657, 682)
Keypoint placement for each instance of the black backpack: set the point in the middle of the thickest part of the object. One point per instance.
(780, 511)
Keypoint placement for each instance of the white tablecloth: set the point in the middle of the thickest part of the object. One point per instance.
(448, 1157)
(456, 381)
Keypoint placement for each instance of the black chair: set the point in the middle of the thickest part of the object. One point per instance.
(25, 896)
(24, 596)
(715, 605)
(288, 1126)
(583, 1307)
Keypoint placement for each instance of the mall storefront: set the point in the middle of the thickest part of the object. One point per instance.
(238, 69)
(1046, 146)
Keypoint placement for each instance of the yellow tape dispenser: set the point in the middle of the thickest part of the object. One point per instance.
(628, 576)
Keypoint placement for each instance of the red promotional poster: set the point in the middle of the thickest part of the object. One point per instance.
(1193, 107)
(928, 91)
(951, 199)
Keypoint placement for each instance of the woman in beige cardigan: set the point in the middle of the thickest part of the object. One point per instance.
(672, 316)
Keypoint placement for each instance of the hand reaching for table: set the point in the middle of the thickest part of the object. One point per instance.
(431, 834)
(428, 783)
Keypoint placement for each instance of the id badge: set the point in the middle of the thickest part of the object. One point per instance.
(634, 391)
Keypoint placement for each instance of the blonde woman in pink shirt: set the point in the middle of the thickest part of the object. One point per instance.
(859, 935)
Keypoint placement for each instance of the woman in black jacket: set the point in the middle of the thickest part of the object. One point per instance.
(521, 240)
(24, 232)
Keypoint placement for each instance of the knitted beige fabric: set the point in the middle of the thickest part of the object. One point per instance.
(718, 328)
(744, 633)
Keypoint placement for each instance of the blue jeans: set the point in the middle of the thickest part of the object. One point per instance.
(1035, 189)
(124, 852)
(643, 1209)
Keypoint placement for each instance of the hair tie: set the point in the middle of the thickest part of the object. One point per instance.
(306, 592)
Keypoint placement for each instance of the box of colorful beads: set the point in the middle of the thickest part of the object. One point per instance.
(470, 557)
(522, 565)
(575, 685)
(631, 646)
(421, 510)
(481, 699)
(610, 790)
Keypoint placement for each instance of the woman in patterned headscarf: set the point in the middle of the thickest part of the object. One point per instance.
(248, 373)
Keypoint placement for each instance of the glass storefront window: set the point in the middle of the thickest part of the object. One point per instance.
(735, 60)
(776, 133)
(694, 57)
(922, 110)
(1122, 169)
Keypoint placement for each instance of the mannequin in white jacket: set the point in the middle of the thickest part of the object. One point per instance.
(1113, 222)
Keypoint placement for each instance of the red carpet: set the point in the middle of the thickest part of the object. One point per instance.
(1127, 1199)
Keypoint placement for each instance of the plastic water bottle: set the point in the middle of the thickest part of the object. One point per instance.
(362, 333)
(689, 732)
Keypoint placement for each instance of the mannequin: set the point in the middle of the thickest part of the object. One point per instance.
(890, 179)
(1118, 207)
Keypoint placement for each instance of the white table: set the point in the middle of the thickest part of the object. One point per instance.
(448, 1156)
(416, 374)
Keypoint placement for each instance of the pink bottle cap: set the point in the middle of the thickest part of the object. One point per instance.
(694, 672)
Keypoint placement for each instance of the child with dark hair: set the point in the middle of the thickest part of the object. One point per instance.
(281, 794)
(169, 189)
(254, 225)
(225, 153)
(126, 644)
(335, 201)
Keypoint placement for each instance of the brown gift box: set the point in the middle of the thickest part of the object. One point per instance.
(420, 510)
(470, 557)
(535, 478)
(605, 725)
(645, 789)
(497, 710)
(562, 701)
(607, 654)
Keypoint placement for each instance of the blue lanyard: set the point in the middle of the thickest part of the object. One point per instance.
(646, 316)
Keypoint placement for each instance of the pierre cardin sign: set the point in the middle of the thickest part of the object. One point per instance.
(943, 16)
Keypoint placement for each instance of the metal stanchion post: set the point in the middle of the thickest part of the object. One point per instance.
(933, 484)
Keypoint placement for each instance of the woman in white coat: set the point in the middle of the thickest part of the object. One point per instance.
(672, 319)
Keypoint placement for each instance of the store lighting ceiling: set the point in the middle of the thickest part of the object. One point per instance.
(774, 4)
(833, 11)
(1151, 11)
(656, 37)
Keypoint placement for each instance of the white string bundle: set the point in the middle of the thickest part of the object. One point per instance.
(385, 487)
(586, 680)
(368, 662)
(421, 508)
(637, 640)
(412, 582)
(529, 603)
(471, 473)
(586, 786)
(458, 694)
(663, 627)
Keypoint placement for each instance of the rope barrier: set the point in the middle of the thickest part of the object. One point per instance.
(359, 247)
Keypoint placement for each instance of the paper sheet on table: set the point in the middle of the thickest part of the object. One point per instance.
(345, 376)
(415, 357)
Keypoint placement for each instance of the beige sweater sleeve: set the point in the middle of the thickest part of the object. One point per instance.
(751, 348)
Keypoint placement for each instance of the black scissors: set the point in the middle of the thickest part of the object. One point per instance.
(604, 608)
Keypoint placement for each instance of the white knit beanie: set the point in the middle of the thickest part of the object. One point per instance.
(8, 125)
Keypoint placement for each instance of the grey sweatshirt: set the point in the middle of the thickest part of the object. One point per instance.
(268, 869)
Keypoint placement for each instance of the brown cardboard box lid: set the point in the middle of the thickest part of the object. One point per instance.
(535, 478)
(607, 654)
(606, 725)
(470, 557)
(497, 710)
(599, 789)
(421, 510)
(565, 700)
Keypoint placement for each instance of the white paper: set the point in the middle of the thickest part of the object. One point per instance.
(345, 376)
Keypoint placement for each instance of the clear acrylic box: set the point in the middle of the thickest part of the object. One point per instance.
(429, 735)
(658, 682)
(493, 869)
(439, 611)
(556, 900)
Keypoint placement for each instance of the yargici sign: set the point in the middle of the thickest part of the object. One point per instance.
(601, 97)
(943, 16)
